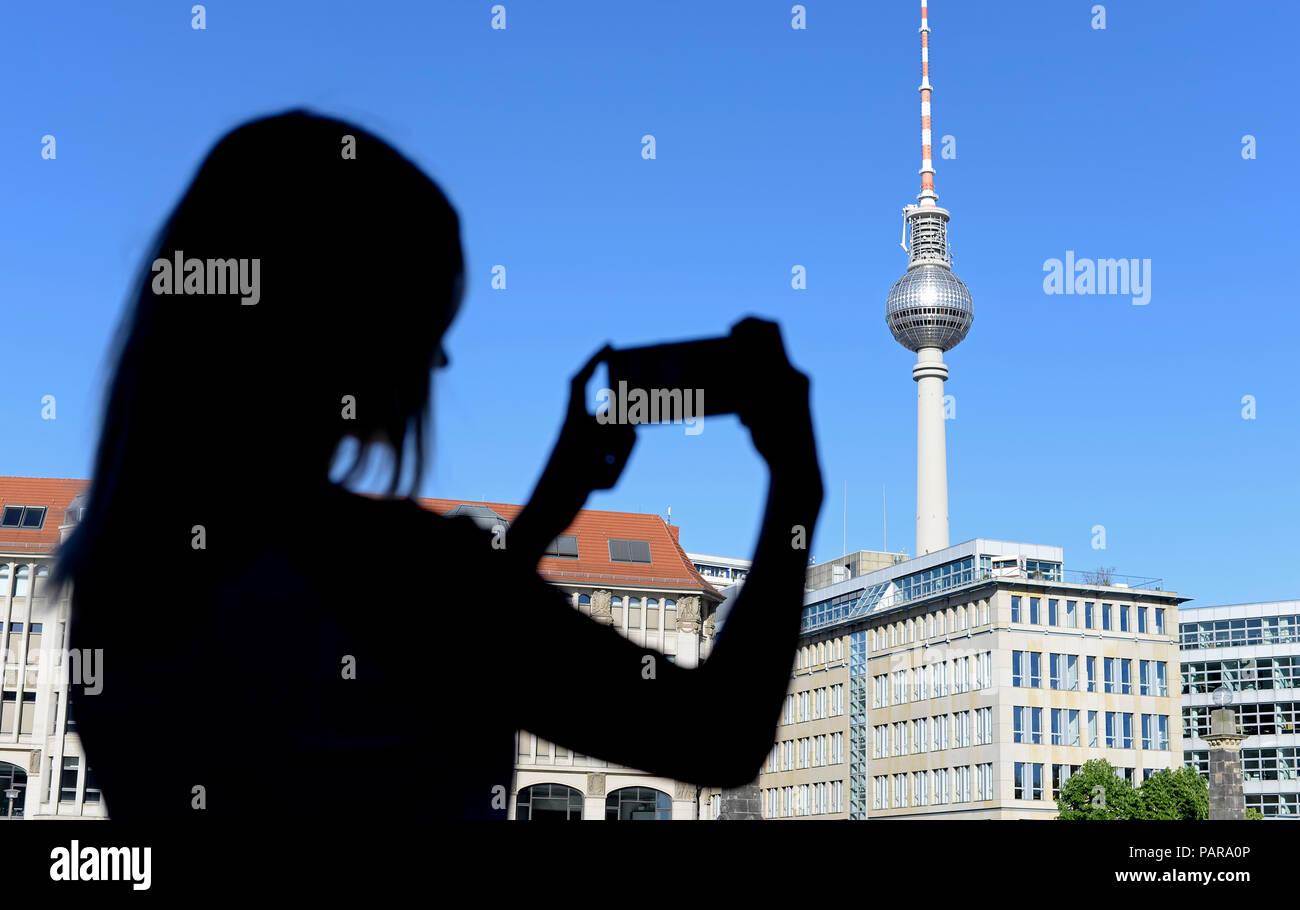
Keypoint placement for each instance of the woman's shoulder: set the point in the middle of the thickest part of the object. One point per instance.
(403, 525)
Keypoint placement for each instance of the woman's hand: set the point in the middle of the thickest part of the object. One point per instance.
(589, 455)
(776, 410)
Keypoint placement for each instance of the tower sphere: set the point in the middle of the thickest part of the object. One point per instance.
(929, 307)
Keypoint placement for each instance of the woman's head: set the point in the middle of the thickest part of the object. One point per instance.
(296, 297)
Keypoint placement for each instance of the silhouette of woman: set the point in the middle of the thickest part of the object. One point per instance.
(276, 640)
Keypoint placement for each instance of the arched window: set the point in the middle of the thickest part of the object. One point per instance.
(15, 778)
(638, 804)
(22, 580)
(548, 802)
(584, 600)
(651, 603)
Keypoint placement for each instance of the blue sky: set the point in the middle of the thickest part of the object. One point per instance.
(775, 147)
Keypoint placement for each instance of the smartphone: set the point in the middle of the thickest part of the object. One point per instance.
(674, 383)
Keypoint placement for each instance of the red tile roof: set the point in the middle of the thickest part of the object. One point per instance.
(669, 566)
(55, 493)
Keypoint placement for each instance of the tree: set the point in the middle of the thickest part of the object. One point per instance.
(1096, 792)
(1101, 576)
(1174, 795)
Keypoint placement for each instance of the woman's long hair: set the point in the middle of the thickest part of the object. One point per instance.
(226, 400)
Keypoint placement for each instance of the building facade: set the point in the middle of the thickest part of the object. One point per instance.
(1252, 650)
(41, 758)
(971, 683)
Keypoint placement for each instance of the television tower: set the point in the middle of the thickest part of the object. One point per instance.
(929, 311)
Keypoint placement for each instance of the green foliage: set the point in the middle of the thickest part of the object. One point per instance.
(1115, 800)
(1166, 795)
(1176, 795)
(1254, 814)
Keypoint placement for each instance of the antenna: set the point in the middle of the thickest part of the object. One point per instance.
(670, 514)
(928, 196)
(844, 539)
(884, 517)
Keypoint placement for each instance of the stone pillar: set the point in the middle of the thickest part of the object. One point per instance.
(1227, 795)
(742, 803)
(593, 805)
(600, 608)
(688, 632)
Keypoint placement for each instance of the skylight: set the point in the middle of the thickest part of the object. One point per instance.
(30, 517)
(629, 551)
(565, 546)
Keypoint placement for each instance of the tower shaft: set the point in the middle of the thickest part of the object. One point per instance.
(931, 452)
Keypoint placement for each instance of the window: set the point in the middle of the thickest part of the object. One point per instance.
(1162, 681)
(1087, 614)
(1015, 608)
(1160, 620)
(1126, 741)
(1033, 610)
(1051, 612)
(1027, 725)
(1109, 665)
(984, 781)
(1035, 670)
(22, 580)
(1064, 670)
(629, 551)
(1123, 618)
(1060, 774)
(1071, 615)
(1092, 729)
(1028, 780)
(1105, 617)
(1065, 727)
(566, 547)
(1092, 673)
(68, 782)
(1142, 620)
(638, 804)
(30, 517)
(1126, 677)
(983, 726)
(540, 802)
(1018, 669)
